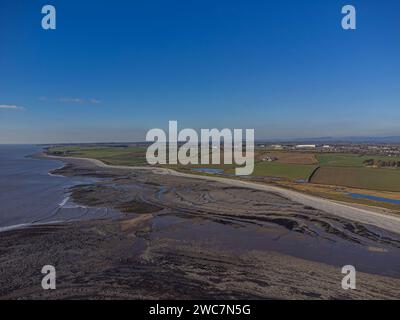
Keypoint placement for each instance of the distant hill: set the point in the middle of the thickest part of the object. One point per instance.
(349, 139)
(390, 139)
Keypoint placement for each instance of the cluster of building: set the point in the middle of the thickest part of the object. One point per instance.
(390, 150)
(297, 146)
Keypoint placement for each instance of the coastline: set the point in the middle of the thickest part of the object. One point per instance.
(363, 215)
(63, 203)
(181, 237)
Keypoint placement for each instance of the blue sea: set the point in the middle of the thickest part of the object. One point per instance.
(29, 194)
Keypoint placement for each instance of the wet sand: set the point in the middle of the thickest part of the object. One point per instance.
(379, 217)
(186, 238)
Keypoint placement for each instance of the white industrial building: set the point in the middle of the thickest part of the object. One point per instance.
(306, 146)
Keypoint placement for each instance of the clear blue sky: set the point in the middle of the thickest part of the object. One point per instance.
(114, 69)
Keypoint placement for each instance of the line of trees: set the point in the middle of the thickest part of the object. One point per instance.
(382, 163)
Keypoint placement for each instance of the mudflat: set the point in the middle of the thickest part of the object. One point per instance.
(185, 238)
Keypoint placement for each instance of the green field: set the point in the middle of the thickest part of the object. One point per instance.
(363, 178)
(348, 170)
(136, 156)
(266, 169)
(110, 155)
(283, 170)
(347, 160)
(335, 169)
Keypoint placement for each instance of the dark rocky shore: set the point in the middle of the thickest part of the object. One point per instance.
(183, 238)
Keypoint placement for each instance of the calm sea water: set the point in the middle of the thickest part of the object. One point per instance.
(29, 194)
